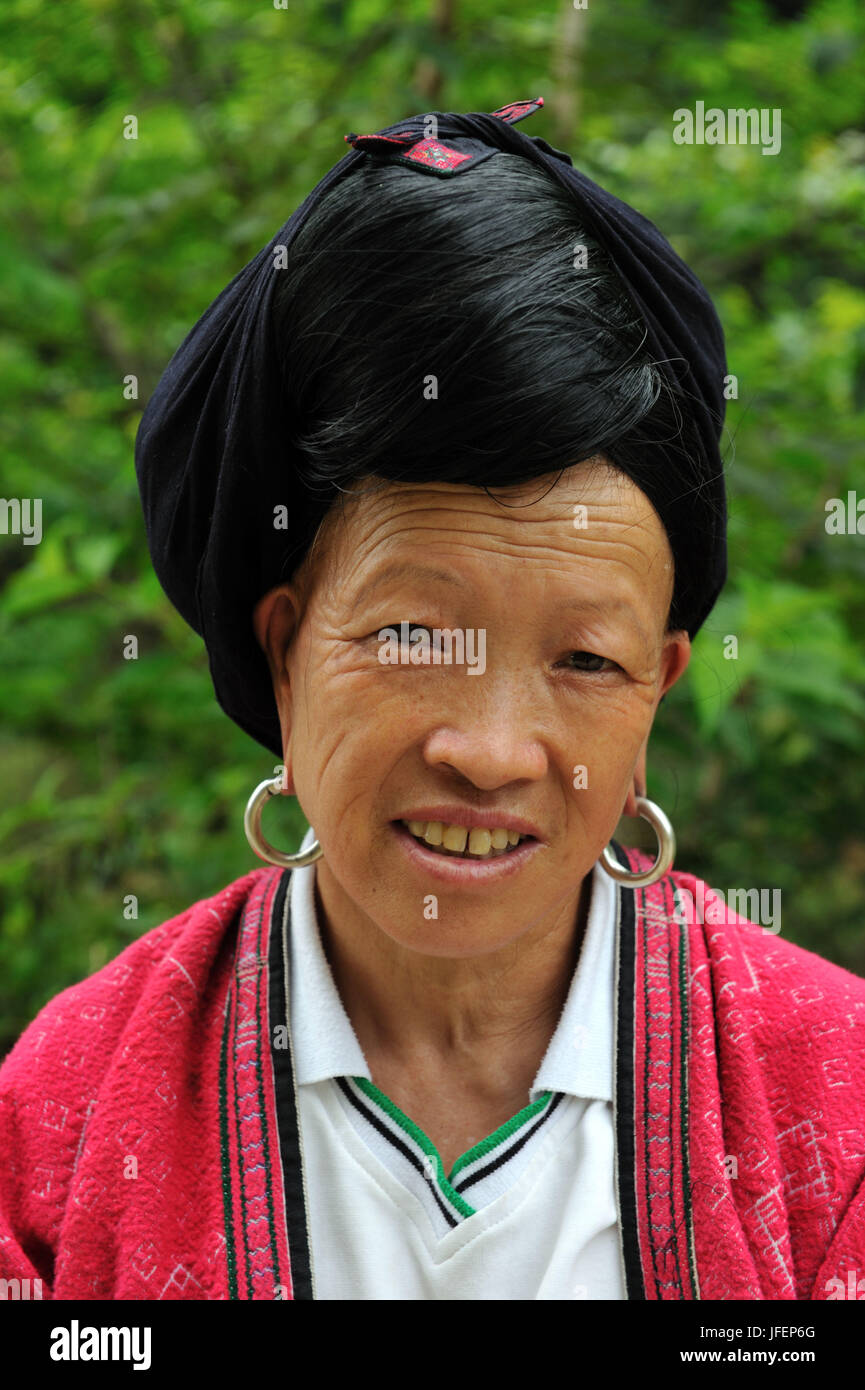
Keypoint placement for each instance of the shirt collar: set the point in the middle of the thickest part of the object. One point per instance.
(322, 1038)
(579, 1059)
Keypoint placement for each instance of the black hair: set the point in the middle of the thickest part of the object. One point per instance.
(488, 284)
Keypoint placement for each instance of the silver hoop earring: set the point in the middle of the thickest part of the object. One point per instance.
(666, 849)
(272, 786)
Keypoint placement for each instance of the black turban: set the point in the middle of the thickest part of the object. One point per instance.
(211, 454)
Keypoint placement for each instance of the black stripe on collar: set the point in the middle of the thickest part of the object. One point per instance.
(286, 1095)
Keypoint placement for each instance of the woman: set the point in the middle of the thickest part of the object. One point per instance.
(437, 478)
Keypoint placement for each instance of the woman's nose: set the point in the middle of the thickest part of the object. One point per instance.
(490, 740)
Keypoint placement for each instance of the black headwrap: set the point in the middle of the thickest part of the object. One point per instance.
(211, 454)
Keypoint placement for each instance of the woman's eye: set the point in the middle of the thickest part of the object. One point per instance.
(409, 634)
(403, 631)
(588, 661)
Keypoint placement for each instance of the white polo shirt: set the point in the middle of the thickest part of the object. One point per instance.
(528, 1213)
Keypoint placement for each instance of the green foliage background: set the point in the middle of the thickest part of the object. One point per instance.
(123, 777)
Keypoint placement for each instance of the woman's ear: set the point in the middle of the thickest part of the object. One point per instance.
(261, 618)
(638, 784)
(674, 663)
(274, 621)
(275, 618)
(675, 659)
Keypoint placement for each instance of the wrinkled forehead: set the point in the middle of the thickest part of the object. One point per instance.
(588, 525)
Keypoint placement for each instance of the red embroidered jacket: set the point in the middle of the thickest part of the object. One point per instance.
(148, 1116)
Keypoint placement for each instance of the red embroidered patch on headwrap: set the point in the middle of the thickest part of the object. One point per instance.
(432, 154)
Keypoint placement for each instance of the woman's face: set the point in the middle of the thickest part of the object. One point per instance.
(556, 597)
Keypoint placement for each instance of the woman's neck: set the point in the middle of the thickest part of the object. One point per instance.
(487, 1019)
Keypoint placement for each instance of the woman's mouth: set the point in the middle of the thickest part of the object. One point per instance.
(464, 841)
(465, 855)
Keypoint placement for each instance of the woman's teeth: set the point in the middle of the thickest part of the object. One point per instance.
(461, 839)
